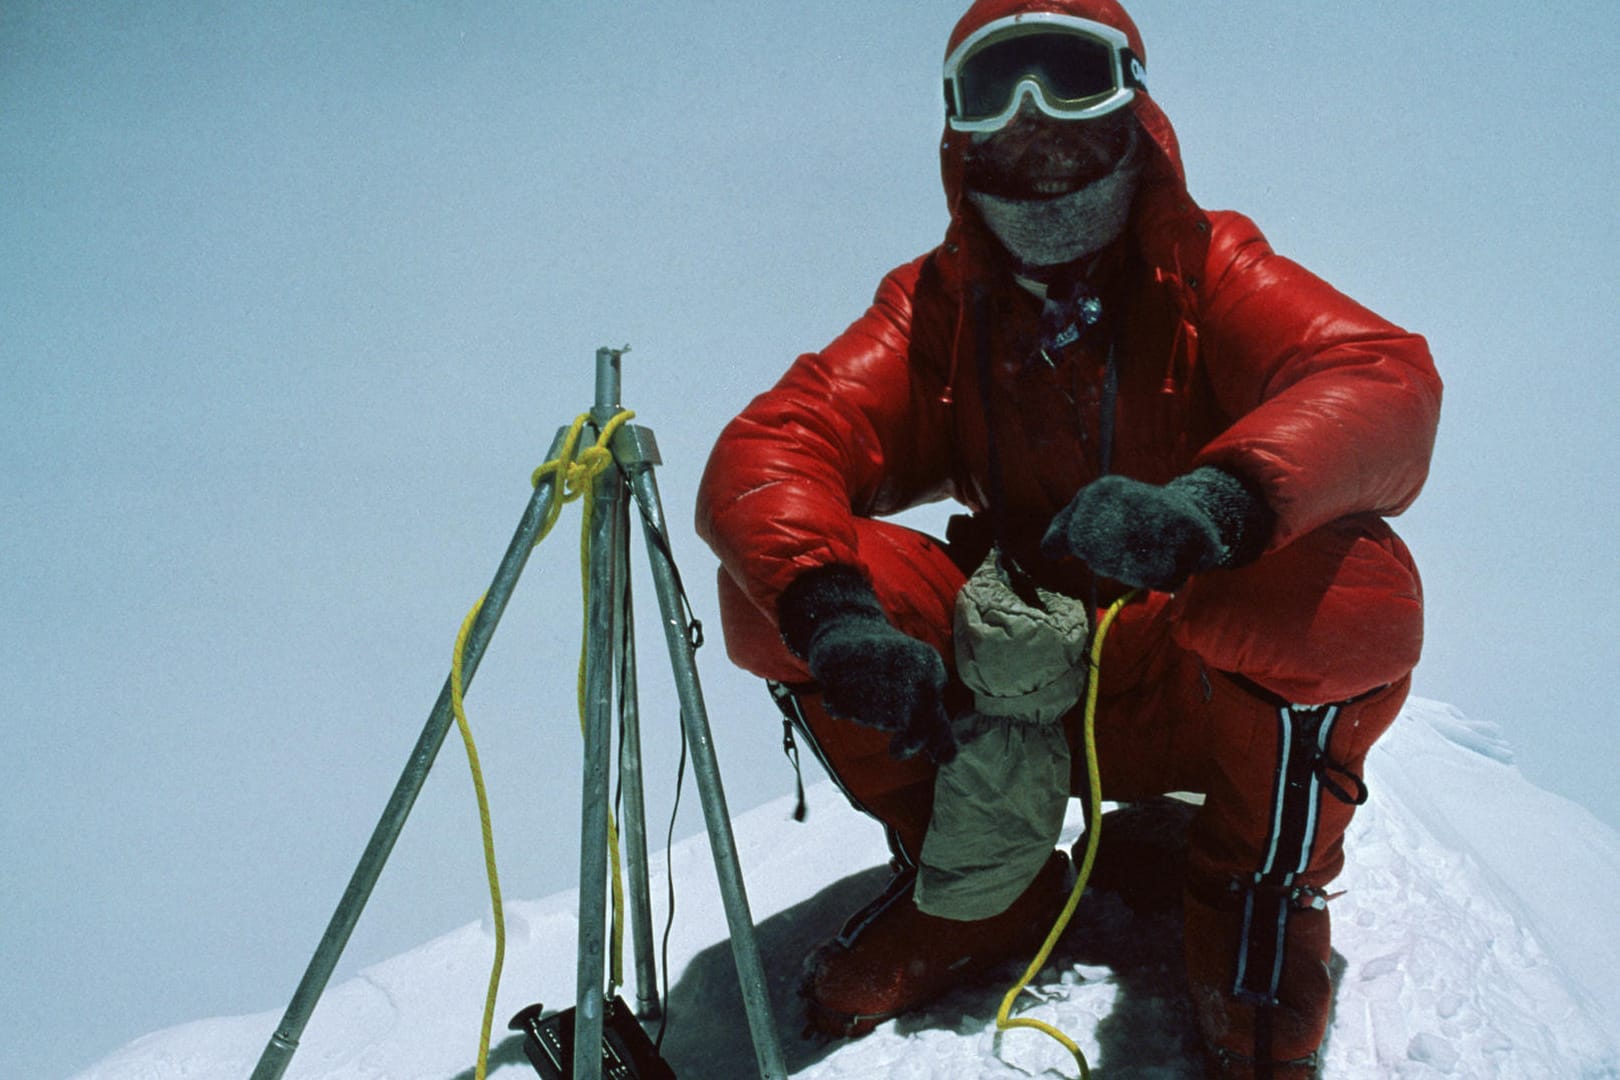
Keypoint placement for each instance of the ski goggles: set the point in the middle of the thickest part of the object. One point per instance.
(1071, 68)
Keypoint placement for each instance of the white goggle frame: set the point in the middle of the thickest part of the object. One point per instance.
(1119, 49)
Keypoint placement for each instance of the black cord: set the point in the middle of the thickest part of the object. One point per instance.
(669, 877)
(656, 534)
(694, 637)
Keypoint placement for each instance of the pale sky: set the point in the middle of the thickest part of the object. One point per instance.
(294, 298)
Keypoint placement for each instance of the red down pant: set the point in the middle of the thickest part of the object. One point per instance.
(1195, 695)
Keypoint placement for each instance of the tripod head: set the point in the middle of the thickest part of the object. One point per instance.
(609, 383)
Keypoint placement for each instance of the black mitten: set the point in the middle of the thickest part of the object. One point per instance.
(1157, 536)
(869, 672)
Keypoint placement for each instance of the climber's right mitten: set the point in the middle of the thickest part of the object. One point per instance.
(869, 671)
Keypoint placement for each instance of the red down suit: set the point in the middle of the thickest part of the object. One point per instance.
(1227, 354)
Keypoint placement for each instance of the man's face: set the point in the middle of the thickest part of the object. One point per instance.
(1038, 157)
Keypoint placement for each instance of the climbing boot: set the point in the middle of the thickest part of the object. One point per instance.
(891, 957)
(1257, 967)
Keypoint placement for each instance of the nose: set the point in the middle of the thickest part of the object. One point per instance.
(1027, 119)
(1027, 128)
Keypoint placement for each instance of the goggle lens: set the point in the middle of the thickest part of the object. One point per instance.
(1071, 70)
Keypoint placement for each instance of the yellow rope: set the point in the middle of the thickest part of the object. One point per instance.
(577, 480)
(459, 707)
(575, 472)
(576, 475)
(1004, 1019)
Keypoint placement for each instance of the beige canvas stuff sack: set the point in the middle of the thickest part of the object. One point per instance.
(999, 806)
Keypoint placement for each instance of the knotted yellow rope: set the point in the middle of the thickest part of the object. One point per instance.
(1004, 1019)
(576, 479)
(575, 473)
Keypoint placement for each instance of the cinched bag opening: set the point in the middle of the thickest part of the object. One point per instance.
(999, 806)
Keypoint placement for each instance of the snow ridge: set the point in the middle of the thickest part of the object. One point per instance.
(1474, 939)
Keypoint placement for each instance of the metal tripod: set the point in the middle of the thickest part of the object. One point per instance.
(609, 658)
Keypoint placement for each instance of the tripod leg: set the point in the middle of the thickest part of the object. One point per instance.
(635, 803)
(706, 770)
(283, 1042)
(601, 634)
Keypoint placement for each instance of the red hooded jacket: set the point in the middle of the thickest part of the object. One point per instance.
(1228, 355)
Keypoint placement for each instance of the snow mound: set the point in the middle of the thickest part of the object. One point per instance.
(1480, 736)
(1475, 939)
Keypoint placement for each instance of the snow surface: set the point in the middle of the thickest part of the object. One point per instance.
(1476, 938)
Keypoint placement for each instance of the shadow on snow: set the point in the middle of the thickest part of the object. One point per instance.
(1129, 922)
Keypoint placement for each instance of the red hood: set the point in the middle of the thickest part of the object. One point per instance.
(965, 228)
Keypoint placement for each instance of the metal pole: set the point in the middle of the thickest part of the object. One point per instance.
(601, 636)
(609, 383)
(635, 803)
(284, 1041)
(595, 788)
(705, 766)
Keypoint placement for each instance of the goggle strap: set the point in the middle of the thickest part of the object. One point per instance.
(1135, 75)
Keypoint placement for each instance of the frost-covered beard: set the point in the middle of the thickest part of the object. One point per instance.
(1051, 231)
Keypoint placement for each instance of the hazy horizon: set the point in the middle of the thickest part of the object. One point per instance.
(295, 299)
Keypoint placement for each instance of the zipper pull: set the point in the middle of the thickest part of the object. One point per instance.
(791, 748)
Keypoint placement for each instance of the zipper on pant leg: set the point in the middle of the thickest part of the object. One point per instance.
(794, 724)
